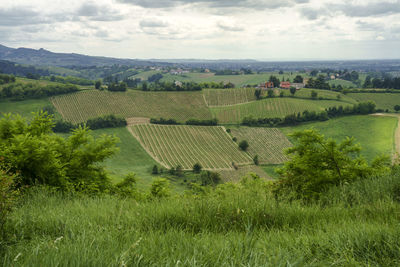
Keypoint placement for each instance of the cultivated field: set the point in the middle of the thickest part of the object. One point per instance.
(267, 143)
(174, 145)
(382, 100)
(326, 94)
(270, 108)
(82, 106)
(226, 97)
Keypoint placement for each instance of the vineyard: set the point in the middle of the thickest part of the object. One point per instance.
(226, 97)
(174, 145)
(270, 108)
(382, 100)
(267, 143)
(82, 106)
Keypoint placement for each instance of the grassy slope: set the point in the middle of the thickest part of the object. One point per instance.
(24, 108)
(357, 226)
(275, 107)
(375, 134)
(382, 100)
(343, 83)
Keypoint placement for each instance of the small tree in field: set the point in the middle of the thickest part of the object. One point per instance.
(397, 108)
(97, 85)
(243, 145)
(257, 93)
(160, 188)
(271, 93)
(255, 160)
(179, 171)
(316, 164)
(314, 94)
(155, 170)
(292, 90)
(197, 168)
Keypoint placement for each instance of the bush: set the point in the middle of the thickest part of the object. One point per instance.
(127, 187)
(164, 121)
(19, 91)
(107, 121)
(154, 170)
(210, 178)
(160, 188)
(212, 122)
(255, 160)
(7, 197)
(243, 145)
(197, 168)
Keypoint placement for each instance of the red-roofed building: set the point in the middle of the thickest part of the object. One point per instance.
(266, 85)
(285, 85)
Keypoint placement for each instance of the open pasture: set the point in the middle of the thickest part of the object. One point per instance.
(174, 145)
(82, 106)
(270, 108)
(267, 143)
(227, 97)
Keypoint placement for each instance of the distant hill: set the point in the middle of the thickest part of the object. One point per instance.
(42, 57)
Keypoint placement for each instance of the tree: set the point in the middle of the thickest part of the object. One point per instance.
(97, 85)
(160, 188)
(210, 178)
(41, 157)
(338, 97)
(179, 170)
(154, 170)
(255, 160)
(144, 86)
(397, 108)
(274, 80)
(314, 94)
(298, 79)
(316, 163)
(314, 73)
(243, 145)
(197, 168)
(270, 93)
(292, 90)
(257, 93)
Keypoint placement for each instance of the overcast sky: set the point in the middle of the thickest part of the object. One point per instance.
(210, 29)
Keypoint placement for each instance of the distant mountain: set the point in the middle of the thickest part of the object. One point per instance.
(42, 57)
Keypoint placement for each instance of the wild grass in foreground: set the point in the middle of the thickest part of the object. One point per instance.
(352, 225)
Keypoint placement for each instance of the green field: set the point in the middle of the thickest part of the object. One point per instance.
(382, 100)
(326, 94)
(270, 108)
(343, 83)
(267, 143)
(226, 97)
(235, 176)
(375, 134)
(174, 145)
(24, 108)
(82, 106)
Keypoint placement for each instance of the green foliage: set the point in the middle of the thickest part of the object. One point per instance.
(243, 145)
(4, 78)
(255, 160)
(316, 164)
(42, 157)
(397, 108)
(155, 170)
(97, 85)
(117, 87)
(314, 94)
(7, 196)
(292, 90)
(107, 121)
(127, 187)
(270, 93)
(257, 93)
(210, 178)
(19, 91)
(160, 188)
(298, 79)
(197, 168)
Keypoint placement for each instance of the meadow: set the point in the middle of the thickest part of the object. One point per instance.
(173, 145)
(270, 108)
(267, 143)
(382, 100)
(236, 225)
(374, 134)
(25, 107)
(82, 106)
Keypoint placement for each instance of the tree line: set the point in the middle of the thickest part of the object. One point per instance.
(4, 78)
(19, 91)
(386, 82)
(212, 122)
(106, 121)
(306, 116)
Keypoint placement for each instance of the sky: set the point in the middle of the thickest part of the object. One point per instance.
(206, 29)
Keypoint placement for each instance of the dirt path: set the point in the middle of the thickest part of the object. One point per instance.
(396, 154)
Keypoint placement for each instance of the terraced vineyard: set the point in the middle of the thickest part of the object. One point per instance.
(326, 94)
(270, 108)
(267, 143)
(174, 145)
(82, 106)
(226, 97)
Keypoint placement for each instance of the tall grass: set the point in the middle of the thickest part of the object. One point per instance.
(235, 225)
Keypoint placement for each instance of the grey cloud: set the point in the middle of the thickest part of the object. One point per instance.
(367, 26)
(372, 9)
(152, 23)
(98, 12)
(231, 28)
(20, 16)
(253, 4)
(311, 14)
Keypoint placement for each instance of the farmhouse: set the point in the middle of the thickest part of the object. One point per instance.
(266, 85)
(285, 85)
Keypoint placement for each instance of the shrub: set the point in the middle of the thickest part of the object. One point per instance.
(127, 187)
(197, 168)
(7, 197)
(154, 170)
(160, 188)
(243, 145)
(255, 160)
(107, 121)
(210, 178)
